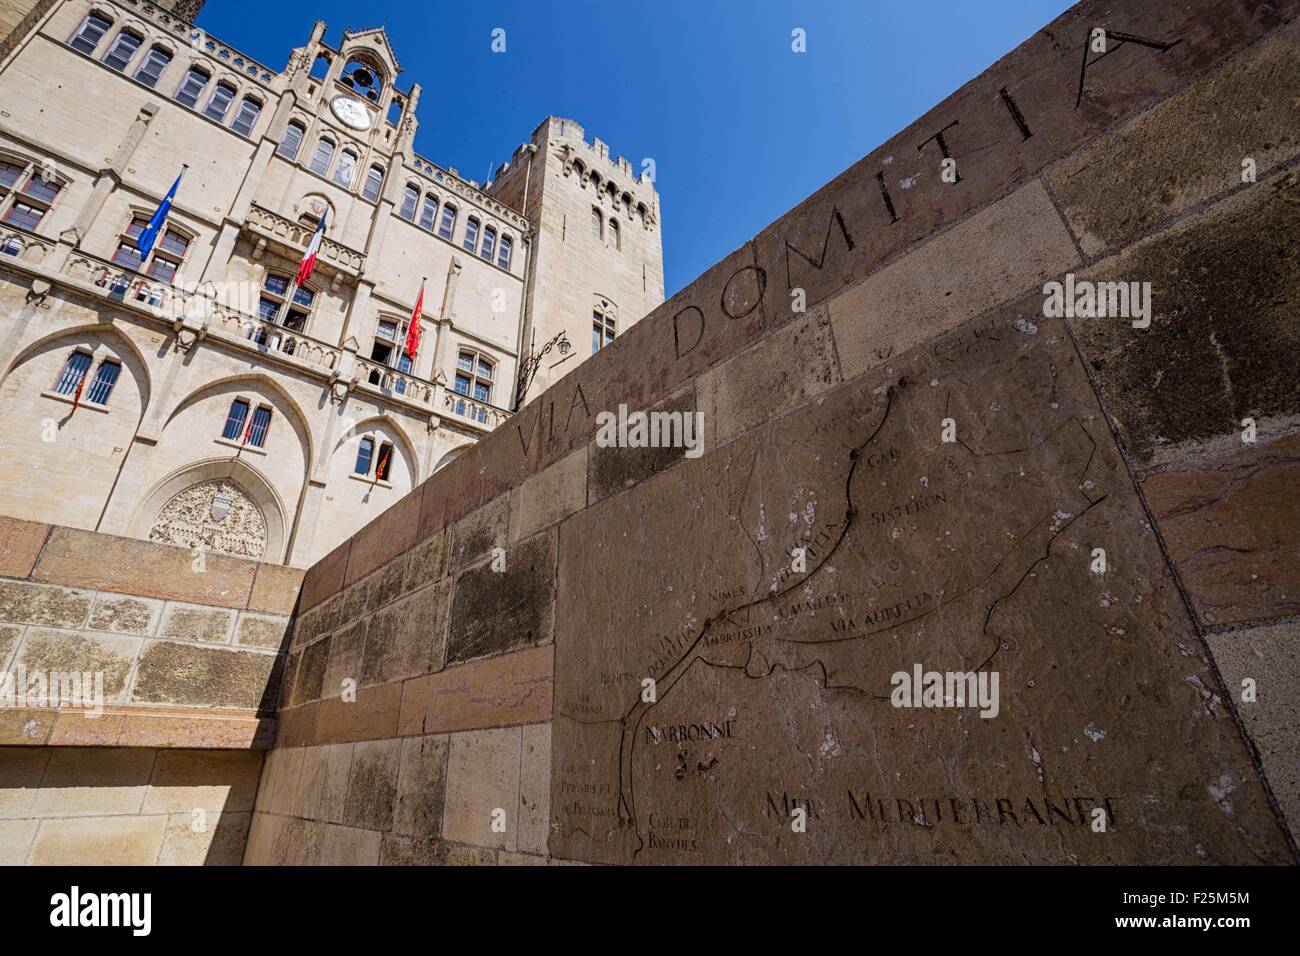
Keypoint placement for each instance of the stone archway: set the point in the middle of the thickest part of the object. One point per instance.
(217, 515)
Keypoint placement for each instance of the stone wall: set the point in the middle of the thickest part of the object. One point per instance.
(908, 466)
(161, 763)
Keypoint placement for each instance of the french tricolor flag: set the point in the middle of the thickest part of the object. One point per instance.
(308, 264)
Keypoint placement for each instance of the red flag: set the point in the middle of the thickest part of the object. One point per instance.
(383, 463)
(249, 430)
(308, 264)
(413, 331)
(76, 396)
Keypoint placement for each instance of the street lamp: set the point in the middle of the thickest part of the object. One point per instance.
(528, 368)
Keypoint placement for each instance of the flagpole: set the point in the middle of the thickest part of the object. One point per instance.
(294, 284)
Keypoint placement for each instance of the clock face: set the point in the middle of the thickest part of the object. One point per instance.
(350, 112)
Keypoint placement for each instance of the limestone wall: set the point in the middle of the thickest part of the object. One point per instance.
(155, 758)
(915, 471)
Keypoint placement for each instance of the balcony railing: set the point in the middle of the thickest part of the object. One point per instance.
(295, 236)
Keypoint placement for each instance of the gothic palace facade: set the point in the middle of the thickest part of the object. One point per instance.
(199, 396)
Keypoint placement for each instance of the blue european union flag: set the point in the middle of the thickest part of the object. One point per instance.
(159, 219)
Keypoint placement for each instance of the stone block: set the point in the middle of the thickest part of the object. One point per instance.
(389, 535)
(371, 716)
(372, 784)
(614, 469)
(399, 850)
(474, 537)
(334, 790)
(1199, 369)
(325, 578)
(23, 603)
(495, 612)
(793, 364)
(94, 782)
(193, 622)
(483, 785)
(275, 589)
(346, 648)
(1231, 523)
(348, 846)
(214, 839)
(549, 496)
(20, 544)
(385, 585)
(47, 651)
(124, 614)
(407, 638)
(99, 841)
(170, 673)
(426, 562)
(1186, 150)
(16, 840)
(224, 781)
(977, 265)
(107, 563)
(421, 786)
(262, 630)
(21, 769)
(493, 692)
(535, 789)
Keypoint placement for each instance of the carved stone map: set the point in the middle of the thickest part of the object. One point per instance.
(772, 685)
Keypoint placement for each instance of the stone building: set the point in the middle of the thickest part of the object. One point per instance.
(200, 396)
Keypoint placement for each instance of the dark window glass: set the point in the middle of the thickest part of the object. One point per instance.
(74, 370)
(429, 213)
(24, 216)
(320, 160)
(151, 70)
(9, 174)
(489, 247)
(41, 189)
(105, 379)
(503, 254)
(123, 48)
(374, 183)
(410, 198)
(92, 30)
(246, 118)
(292, 141)
(365, 452)
(448, 222)
(192, 87)
(471, 235)
(234, 429)
(261, 423)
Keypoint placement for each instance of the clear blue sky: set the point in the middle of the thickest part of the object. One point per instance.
(740, 127)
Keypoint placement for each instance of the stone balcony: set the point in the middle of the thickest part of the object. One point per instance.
(291, 239)
(195, 315)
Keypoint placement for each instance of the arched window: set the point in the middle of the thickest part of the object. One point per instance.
(410, 199)
(291, 142)
(151, 70)
(33, 200)
(429, 212)
(164, 259)
(471, 234)
(597, 223)
(192, 87)
(365, 452)
(240, 429)
(374, 183)
(90, 32)
(448, 222)
(615, 238)
(11, 246)
(489, 247)
(277, 307)
(346, 168)
(105, 378)
(362, 78)
(320, 67)
(503, 254)
(384, 465)
(474, 376)
(219, 103)
(122, 50)
(320, 160)
(249, 110)
(73, 373)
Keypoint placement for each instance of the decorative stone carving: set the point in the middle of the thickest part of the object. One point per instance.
(217, 515)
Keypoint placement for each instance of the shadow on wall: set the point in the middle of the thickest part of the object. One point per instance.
(95, 806)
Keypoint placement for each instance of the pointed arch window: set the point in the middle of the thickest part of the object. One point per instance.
(374, 183)
(448, 223)
(365, 453)
(219, 103)
(429, 212)
(90, 32)
(105, 378)
(346, 168)
(615, 237)
(73, 373)
(151, 70)
(291, 142)
(192, 87)
(489, 247)
(119, 55)
(320, 160)
(249, 110)
(410, 199)
(471, 234)
(503, 253)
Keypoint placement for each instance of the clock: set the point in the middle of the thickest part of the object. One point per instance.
(350, 112)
